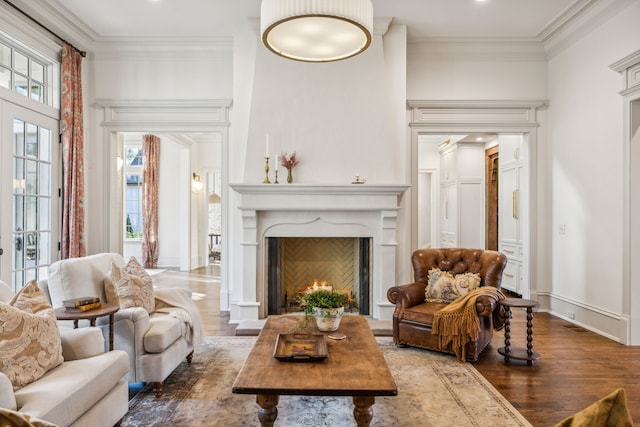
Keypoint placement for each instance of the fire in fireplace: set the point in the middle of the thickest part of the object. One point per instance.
(296, 263)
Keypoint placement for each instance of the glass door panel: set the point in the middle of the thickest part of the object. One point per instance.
(29, 234)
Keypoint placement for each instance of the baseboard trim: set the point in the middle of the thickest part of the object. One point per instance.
(594, 319)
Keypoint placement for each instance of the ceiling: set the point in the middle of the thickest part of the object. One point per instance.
(107, 20)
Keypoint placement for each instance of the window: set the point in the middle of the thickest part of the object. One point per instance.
(26, 74)
(133, 191)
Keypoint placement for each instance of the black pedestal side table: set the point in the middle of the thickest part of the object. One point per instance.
(518, 353)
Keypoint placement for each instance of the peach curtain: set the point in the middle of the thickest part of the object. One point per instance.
(72, 132)
(151, 153)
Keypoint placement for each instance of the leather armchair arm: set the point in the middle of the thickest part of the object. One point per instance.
(485, 305)
(405, 296)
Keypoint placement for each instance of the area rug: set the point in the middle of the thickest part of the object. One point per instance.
(433, 390)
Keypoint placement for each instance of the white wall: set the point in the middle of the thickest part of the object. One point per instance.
(173, 220)
(331, 114)
(171, 73)
(467, 71)
(585, 146)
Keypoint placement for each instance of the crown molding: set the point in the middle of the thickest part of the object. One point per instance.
(565, 19)
(579, 19)
(581, 16)
(148, 48)
(381, 25)
(27, 34)
(59, 20)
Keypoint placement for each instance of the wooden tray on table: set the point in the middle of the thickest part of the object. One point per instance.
(300, 348)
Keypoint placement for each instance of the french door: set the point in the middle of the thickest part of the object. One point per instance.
(29, 172)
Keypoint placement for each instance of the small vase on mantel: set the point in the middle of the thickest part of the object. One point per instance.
(289, 176)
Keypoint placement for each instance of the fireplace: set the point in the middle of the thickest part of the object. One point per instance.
(296, 265)
(368, 212)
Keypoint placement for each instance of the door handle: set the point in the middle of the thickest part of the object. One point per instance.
(514, 204)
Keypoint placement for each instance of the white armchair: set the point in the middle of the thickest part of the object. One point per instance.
(156, 343)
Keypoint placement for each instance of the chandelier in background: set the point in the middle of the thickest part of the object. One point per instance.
(316, 30)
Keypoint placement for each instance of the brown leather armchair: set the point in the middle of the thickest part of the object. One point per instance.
(413, 315)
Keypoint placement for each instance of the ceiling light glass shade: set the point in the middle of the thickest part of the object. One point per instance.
(316, 30)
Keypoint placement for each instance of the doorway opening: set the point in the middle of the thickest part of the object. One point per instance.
(491, 194)
(187, 219)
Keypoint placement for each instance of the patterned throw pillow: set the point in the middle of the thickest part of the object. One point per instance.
(446, 287)
(130, 286)
(29, 336)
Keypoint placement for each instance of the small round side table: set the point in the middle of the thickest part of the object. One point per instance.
(91, 315)
(518, 353)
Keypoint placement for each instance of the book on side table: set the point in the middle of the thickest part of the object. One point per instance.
(78, 305)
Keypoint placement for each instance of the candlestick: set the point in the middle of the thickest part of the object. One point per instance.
(266, 171)
(276, 181)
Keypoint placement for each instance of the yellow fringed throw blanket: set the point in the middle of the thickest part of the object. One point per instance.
(458, 323)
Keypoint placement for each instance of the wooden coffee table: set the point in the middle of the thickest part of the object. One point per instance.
(355, 367)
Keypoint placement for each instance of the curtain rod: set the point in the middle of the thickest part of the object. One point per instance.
(81, 52)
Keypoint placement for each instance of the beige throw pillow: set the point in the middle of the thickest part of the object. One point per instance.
(29, 336)
(446, 287)
(130, 286)
(9, 418)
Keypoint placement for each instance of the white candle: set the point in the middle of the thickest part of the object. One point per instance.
(266, 153)
(277, 162)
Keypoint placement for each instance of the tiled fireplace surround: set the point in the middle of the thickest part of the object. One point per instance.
(300, 210)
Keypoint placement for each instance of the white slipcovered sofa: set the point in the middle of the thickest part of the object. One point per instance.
(87, 389)
(156, 343)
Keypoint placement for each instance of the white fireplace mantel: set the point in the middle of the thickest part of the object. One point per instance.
(307, 210)
(320, 197)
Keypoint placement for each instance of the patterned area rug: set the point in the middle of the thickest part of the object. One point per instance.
(433, 390)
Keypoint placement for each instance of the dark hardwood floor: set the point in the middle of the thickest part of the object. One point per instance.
(576, 368)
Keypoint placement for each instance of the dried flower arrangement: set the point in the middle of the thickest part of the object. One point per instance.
(288, 160)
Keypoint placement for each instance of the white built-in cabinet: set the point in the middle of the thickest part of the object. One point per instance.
(513, 198)
(462, 218)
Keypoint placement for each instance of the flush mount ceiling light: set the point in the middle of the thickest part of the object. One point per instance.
(316, 30)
